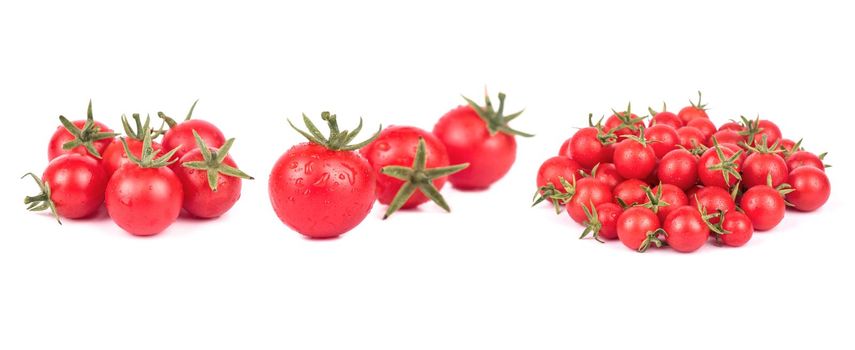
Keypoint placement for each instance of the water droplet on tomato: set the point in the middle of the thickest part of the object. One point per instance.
(383, 146)
(299, 182)
(308, 168)
(322, 181)
(294, 165)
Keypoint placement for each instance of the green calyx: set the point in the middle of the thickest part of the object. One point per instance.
(654, 112)
(627, 121)
(656, 237)
(783, 189)
(727, 166)
(548, 192)
(148, 157)
(763, 148)
(496, 120)
(698, 105)
(605, 138)
(171, 122)
(796, 147)
(593, 225)
(640, 138)
(213, 164)
(418, 177)
(697, 149)
(751, 128)
(141, 128)
(87, 135)
(42, 200)
(717, 228)
(654, 200)
(337, 140)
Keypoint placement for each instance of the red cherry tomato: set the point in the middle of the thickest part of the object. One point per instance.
(720, 167)
(694, 111)
(679, 168)
(634, 159)
(602, 221)
(739, 229)
(588, 192)
(666, 118)
(764, 206)
(759, 167)
(663, 139)
(144, 201)
(690, 137)
(115, 156)
(811, 188)
(804, 158)
(75, 183)
(630, 192)
(180, 135)
(732, 126)
(637, 229)
(90, 133)
(201, 199)
(705, 126)
(686, 229)
(587, 148)
(671, 195)
(623, 123)
(607, 174)
(712, 200)
(727, 136)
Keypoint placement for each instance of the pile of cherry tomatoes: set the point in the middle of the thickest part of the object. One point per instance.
(677, 180)
(327, 186)
(144, 183)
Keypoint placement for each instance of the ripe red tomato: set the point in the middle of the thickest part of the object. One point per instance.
(211, 180)
(727, 136)
(397, 145)
(760, 167)
(690, 137)
(72, 186)
(638, 228)
(665, 118)
(144, 197)
(607, 174)
(180, 135)
(589, 146)
(630, 192)
(811, 188)
(805, 158)
(86, 137)
(686, 228)
(115, 156)
(589, 192)
(719, 166)
(788, 146)
(602, 221)
(712, 200)
(663, 139)
(757, 130)
(623, 123)
(706, 127)
(667, 198)
(481, 137)
(556, 168)
(764, 206)
(739, 229)
(634, 158)
(694, 111)
(679, 168)
(732, 126)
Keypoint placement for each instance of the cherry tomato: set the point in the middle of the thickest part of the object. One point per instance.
(481, 137)
(694, 111)
(624, 123)
(811, 188)
(732, 126)
(672, 197)
(679, 168)
(706, 127)
(211, 180)
(602, 222)
(115, 156)
(72, 186)
(712, 200)
(630, 192)
(805, 158)
(739, 229)
(607, 174)
(727, 136)
(759, 167)
(590, 147)
(690, 137)
(759, 129)
(634, 159)
(686, 228)
(719, 166)
(323, 188)
(180, 135)
(93, 139)
(638, 228)
(764, 206)
(663, 139)
(665, 118)
(588, 192)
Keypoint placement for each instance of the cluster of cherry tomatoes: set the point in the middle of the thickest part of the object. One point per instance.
(678, 180)
(144, 183)
(326, 186)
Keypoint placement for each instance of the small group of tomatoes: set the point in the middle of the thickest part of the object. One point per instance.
(327, 186)
(144, 183)
(678, 180)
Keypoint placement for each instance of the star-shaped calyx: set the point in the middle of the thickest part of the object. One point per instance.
(496, 120)
(86, 135)
(418, 177)
(213, 162)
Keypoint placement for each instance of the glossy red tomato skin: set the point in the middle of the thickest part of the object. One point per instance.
(321, 193)
(589, 191)
(396, 145)
(634, 224)
(690, 136)
(759, 166)
(786, 145)
(804, 158)
(743, 154)
(613, 122)
(556, 168)
(764, 206)
(768, 129)
(608, 213)
(607, 174)
(181, 135)
(811, 186)
(565, 149)
(467, 140)
(732, 126)
(713, 199)
(77, 184)
(663, 139)
(727, 137)
(666, 118)
(144, 201)
(679, 168)
(739, 227)
(715, 177)
(586, 148)
(62, 136)
(705, 126)
(690, 113)
(199, 200)
(114, 157)
(687, 231)
(634, 160)
(673, 195)
(630, 191)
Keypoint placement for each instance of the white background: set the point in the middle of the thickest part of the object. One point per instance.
(492, 274)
